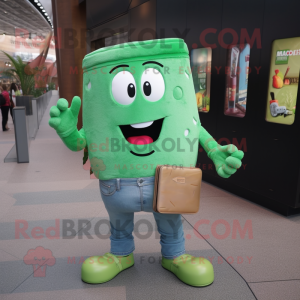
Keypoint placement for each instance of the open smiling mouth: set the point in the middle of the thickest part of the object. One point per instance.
(142, 133)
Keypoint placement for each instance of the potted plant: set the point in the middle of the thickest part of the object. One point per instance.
(52, 87)
(25, 75)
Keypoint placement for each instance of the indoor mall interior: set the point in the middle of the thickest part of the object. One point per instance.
(148, 149)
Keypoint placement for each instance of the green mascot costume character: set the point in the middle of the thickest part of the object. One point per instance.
(139, 111)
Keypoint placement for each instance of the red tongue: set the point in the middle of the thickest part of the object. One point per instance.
(140, 140)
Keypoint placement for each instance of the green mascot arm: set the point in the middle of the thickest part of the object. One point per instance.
(64, 121)
(227, 159)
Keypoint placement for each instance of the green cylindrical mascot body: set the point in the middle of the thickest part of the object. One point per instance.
(139, 111)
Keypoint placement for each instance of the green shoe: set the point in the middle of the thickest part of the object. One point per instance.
(99, 269)
(195, 271)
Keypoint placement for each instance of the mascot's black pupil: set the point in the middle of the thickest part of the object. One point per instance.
(131, 90)
(147, 88)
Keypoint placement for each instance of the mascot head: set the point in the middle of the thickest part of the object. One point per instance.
(139, 108)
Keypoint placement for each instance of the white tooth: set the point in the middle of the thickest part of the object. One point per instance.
(186, 132)
(142, 125)
(195, 122)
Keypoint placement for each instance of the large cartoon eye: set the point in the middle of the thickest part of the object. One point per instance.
(123, 88)
(153, 84)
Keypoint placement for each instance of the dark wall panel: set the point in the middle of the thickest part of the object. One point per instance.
(142, 20)
(280, 158)
(135, 3)
(172, 23)
(201, 16)
(98, 12)
(271, 162)
(237, 16)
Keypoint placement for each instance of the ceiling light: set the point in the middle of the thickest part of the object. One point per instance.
(46, 14)
(39, 4)
(36, 1)
(4, 33)
(41, 7)
(43, 10)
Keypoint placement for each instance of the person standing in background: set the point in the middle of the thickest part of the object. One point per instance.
(13, 93)
(20, 90)
(5, 108)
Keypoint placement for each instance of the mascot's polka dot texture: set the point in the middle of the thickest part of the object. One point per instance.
(177, 92)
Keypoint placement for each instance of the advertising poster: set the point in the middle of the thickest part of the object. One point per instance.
(237, 71)
(283, 81)
(201, 72)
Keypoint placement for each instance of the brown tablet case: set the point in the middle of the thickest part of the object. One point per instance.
(177, 190)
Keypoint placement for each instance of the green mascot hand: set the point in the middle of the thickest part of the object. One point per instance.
(227, 159)
(64, 120)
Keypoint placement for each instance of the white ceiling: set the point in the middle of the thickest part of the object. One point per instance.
(48, 8)
(22, 14)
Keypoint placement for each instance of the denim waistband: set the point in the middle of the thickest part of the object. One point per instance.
(141, 181)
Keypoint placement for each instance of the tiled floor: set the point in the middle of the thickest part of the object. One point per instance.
(54, 189)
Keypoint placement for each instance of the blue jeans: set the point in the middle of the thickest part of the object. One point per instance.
(123, 197)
